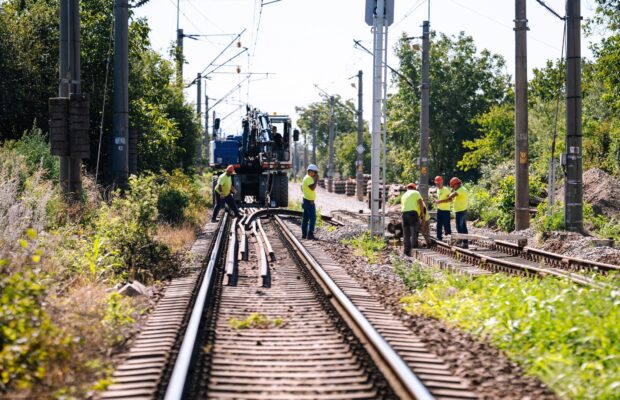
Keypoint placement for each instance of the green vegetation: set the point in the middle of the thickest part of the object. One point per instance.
(568, 336)
(256, 321)
(367, 246)
(414, 276)
(57, 259)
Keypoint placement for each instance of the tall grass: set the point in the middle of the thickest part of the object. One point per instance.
(569, 336)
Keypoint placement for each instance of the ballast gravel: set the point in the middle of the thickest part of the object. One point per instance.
(491, 374)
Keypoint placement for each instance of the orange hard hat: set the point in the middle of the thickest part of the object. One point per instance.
(454, 181)
(438, 179)
(412, 186)
(231, 169)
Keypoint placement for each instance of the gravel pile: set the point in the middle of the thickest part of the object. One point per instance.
(575, 245)
(340, 233)
(491, 374)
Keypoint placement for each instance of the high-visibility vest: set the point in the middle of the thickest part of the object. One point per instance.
(409, 201)
(460, 201)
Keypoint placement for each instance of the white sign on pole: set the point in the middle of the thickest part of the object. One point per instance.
(371, 6)
(360, 148)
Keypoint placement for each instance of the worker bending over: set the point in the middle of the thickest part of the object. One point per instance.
(308, 186)
(412, 208)
(443, 209)
(224, 191)
(459, 196)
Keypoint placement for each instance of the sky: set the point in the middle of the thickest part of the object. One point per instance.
(293, 45)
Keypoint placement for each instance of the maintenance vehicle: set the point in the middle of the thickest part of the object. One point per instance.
(262, 157)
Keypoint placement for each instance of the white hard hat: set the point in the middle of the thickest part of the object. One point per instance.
(313, 167)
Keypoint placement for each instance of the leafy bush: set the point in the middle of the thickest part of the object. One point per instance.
(549, 218)
(603, 226)
(568, 336)
(29, 341)
(494, 207)
(181, 199)
(127, 227)
(35, 150)
(414, 276)
(367, 246)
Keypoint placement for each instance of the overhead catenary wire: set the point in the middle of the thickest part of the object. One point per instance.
(105, 92)
(500, 23)
(555, 124)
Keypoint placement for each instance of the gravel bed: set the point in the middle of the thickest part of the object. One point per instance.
(491, 374)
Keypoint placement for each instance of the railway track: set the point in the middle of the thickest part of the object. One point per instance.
(272, 318)
(487, 256)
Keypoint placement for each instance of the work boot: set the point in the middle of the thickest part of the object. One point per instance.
(213, 220)
(303, 236)
(311, 237)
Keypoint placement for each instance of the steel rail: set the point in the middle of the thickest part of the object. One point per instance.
(272, 255)
(231, 256)
(561, 260)
(263, 270)
(485, 261)
(284, 212)
(178, 379)
(398, 372)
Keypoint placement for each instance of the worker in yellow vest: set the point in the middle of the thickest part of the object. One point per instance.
(412, 208)
(308, 187)
(224, 191)
(443, 209)
(459, 196)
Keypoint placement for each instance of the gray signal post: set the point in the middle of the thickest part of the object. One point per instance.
(332, 134)
(199, 158)
(522, 197)
(379, 14)
(573, 190)
(120, 114)
(314, 137)
(424, 111)
(359, 174)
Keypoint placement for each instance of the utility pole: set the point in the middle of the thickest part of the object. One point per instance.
(376, 227)
(522, 196)
(120, 115)
(70, 138)
(424, 112)
(206, 132)
(314, 137)
(305, 150)
(573, 190)
(359, 174)
(330, 164)
(179, 49)
(199, 112)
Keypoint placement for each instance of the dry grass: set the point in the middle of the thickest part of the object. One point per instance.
(178, 238)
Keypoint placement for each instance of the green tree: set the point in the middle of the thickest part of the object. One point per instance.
(345, 120)
(465, 83)
(346, 154)
(497, 141)
(29, 56)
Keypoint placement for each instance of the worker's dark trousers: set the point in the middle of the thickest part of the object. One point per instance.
(309, 219)
(461, 225)
(443, 223)
(220, 203)
(411, 227)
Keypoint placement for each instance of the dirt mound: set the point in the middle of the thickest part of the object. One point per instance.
(601, 190)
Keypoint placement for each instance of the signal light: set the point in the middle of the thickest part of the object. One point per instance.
(238, 69)
(238, 44)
